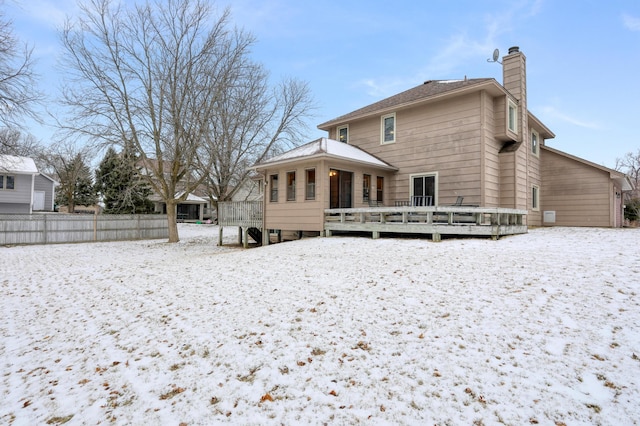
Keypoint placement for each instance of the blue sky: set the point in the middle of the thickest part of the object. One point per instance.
(583, 57)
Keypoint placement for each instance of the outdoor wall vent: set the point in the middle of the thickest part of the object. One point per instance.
(549, 216)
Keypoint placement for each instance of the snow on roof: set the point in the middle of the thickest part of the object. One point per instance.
(10, 163)
(330, 148)
(191, 197)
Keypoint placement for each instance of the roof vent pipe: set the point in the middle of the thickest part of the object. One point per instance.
(514, 49)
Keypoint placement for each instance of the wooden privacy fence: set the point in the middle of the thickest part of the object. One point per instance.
(71, 228)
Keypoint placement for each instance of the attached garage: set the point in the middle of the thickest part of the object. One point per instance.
(576, 192)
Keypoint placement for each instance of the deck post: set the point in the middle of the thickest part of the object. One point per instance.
(245, 237)
(220, 235)
(436, 238)
(375, 235)
(239, 234)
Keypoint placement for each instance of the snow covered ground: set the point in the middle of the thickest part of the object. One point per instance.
(542, 328)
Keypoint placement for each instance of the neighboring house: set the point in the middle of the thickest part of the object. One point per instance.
(194, 208)
(445, 142)
(22, 188)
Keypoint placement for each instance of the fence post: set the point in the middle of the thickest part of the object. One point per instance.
(45, 236)
(95, 226)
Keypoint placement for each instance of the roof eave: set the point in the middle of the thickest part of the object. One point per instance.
(323, 155)
(546, 133)
(613, 174)
(490, 85)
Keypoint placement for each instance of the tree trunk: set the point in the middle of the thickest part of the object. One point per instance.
(172, 221)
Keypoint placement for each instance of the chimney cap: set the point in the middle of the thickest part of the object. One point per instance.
(514, 49)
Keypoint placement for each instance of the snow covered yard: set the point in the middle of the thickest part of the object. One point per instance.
(542, 328)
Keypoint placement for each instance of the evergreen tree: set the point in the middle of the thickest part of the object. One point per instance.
(76, 184)
(120, 185)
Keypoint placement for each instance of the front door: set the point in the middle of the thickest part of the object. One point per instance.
(340, 189)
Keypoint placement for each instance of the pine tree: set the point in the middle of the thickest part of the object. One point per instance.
(120, 185)
(76, 184)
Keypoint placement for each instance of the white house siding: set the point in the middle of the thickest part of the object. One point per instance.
(17, 200)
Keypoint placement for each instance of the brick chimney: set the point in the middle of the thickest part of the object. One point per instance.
(514, 76)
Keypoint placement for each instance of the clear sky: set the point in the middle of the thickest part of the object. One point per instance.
(583, 56)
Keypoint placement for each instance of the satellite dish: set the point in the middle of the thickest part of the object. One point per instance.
(496, 55)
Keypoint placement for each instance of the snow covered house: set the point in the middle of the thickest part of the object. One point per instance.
(469, 143)
(23, 189)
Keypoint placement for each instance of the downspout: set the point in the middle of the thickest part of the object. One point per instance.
(33, 188)
(265, 231)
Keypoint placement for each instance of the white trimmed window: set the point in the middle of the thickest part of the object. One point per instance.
(7, 182)
(535, 198)
(366, 188)
(310, 186)
(343, 133)
(512, 116)
(535, 149)
(291, 186)
(388, 128)
(273, 186)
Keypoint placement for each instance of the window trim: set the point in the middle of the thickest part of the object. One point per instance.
(273, 189)
(535, 149)
(291, 188)
(512, 105)
(435, 176)
(4, 181)
(366, 188)
(382, 129)
(345, 127)
(307, 183)
(379, 190)
(535, 198)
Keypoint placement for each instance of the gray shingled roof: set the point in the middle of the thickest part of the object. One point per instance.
(325, 147)
(424, 91)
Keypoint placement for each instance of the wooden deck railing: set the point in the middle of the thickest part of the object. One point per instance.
(247, 214)
(440, 220)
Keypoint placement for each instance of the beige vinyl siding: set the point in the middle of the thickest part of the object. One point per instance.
(308, 215)
(301, 214)
(507, 180)
(579, 194)
(522, 183)
(443, 137)
(491, 159)
(534, 218)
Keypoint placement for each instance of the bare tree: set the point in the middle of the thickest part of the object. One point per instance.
(18, 92)
(252, 122)
(15, 142)
(630, 165)
(148, 77)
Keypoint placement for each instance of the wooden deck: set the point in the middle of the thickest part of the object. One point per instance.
(246, 215)
(434, 221)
